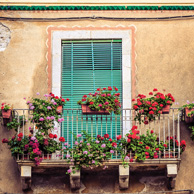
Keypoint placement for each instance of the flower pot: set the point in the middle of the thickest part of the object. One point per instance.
(189, 119)
(166, 109)
(47, 156)
(6, 114)
(7, 117)
(59, 110)
(166, 155)
(87, 110)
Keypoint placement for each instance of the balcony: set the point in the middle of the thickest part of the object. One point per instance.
(167, 125)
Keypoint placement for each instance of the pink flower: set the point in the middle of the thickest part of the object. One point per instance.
(41, 119)
(111, 151)
(108, 94)
(100, 105)
(103, 145)
(79, 135)
(106, 103)
(85, 152)
(76, 143)
(69, 171)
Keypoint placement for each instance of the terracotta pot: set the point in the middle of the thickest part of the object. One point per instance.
(6, 114)
(59, 109)
(47, 157)
(87, 110)
(166, 109)
(166, 155)
(189, 119)
(23, 158)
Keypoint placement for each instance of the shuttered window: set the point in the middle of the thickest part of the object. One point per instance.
(88, 65)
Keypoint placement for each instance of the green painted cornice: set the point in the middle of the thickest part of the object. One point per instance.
(42, 8)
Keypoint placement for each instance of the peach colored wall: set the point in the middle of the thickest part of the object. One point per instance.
(163, 59)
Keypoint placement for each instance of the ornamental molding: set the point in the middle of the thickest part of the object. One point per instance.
(96, 2)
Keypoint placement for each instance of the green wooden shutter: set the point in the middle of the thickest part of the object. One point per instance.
(88, 65)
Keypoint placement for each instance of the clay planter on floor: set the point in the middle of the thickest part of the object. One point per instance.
(189, 119)
(166, 109)
(87, 110)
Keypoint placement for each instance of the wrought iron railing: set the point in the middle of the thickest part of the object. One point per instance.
(167, 125)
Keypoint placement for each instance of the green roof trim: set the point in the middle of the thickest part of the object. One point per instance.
(33, 8)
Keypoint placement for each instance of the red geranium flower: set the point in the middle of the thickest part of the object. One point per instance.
(155, 90)
(54, 136)
(62, 139)
(51, 135)
(106, 135)
(114, 144)
(165, 145)
(67, 99)
(119, 137)
(20, 135)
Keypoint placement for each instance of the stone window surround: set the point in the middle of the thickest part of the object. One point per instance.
(124, 35)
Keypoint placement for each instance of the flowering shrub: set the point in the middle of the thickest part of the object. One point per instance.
(43, 141)
(141, 147)
(189, 105)
(90, 152)
(45, 111)
(33, 146)
(174, 144)
(103, 99)
(5, 106)
(152, 106)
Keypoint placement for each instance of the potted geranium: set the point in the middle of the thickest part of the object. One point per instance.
(188, 112)
(148, 108)
(103, 101)
(90, 152)
(44, 111)
(60, 102)
(6, 113)
(34, 147)
(136, 147)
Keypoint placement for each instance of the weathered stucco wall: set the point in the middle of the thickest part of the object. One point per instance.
(163, 60)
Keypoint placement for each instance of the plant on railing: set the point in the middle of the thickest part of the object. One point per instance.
(140, 147)
(147, 109)
(136, 147)
(188, 112)
(6, 111)
(45, 111)
(5, 107)
(40, 140)
(174, 145)
(33, 146)
(103, 99)
(89, 151)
